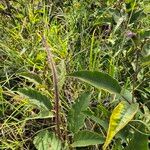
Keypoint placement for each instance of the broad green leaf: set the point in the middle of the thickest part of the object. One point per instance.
(36, 97)
(86, 138)
(138, 141)
(75, 116)
(47, 141)
(99, 80)
(121, 115)
(32, 77)
(99, 121)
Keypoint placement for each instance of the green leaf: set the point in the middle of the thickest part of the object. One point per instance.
(139, 141)
(121, 115)
(47, 141)
(75, 116)
(86, 138)
(32, 77)
(36, 97)
(43, 114)
(99, 121)
(98, 80)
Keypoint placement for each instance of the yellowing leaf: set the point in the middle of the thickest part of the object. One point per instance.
(121, 115)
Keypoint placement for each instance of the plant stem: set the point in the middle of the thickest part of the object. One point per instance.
(55, 81)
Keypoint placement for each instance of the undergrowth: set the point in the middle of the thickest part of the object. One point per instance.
(111, 37)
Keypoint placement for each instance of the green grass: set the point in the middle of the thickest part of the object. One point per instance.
(83, 35)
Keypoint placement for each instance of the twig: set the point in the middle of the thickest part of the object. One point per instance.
(55, 81)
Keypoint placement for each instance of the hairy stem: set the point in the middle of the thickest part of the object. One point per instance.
(55, 81)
